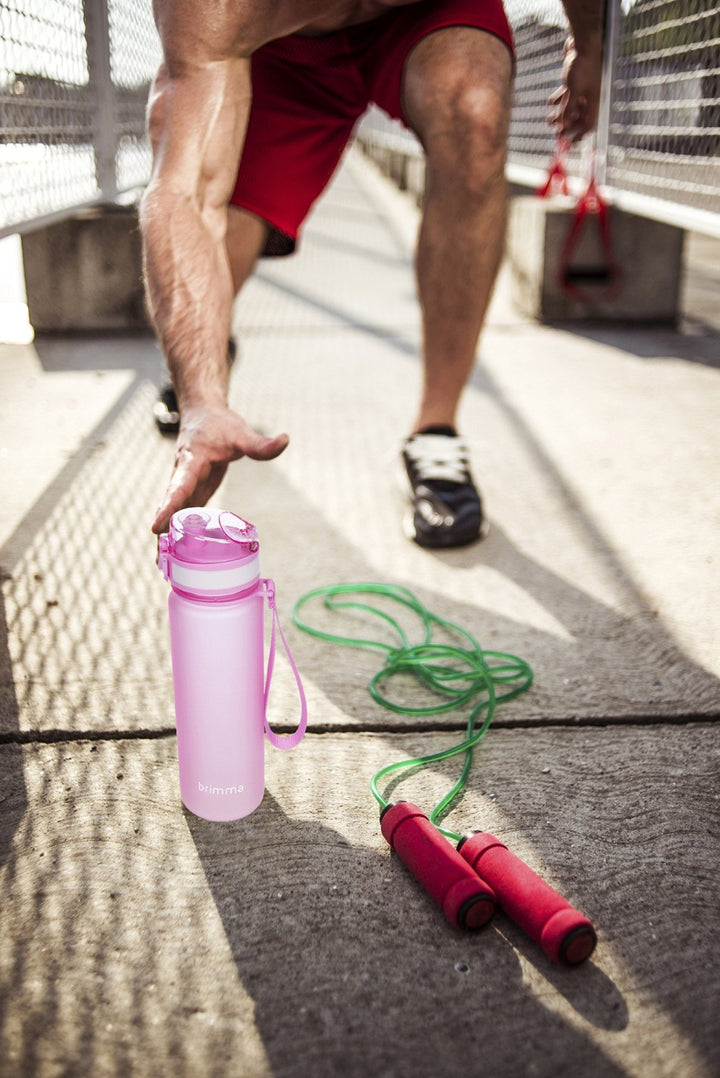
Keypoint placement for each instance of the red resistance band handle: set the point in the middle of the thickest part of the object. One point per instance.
(557, 173)
(565, 935)
(466, 901)
(590, 207)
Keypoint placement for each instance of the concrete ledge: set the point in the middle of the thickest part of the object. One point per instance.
(647, 254)
(85, 273)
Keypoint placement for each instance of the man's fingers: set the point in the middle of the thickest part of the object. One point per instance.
(162, 518)
(559, 102)
(209, 439)
(262, 448)
(180, 493)
(189, 485)
(570, 118)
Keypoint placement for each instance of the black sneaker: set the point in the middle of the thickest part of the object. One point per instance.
(165, 409)
(447, 509)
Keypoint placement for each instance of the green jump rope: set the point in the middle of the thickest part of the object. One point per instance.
(457, 674)
(468, 876)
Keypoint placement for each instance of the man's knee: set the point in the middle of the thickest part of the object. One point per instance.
(476, 123)
(458, 101)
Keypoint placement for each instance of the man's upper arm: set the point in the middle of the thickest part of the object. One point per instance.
(198, 106)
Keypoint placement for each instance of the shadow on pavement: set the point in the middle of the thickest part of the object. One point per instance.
(606, 820)
(318, 956)
(76, 635)
(339, 973)
(700, 345)
(102, 352)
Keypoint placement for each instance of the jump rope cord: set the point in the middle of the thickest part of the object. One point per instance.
(460, 674)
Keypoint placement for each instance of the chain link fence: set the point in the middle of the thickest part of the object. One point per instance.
(663, 137)
(74, 78)
(540, 31)
(657, 148)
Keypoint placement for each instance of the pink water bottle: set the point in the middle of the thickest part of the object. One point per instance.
(211, 558)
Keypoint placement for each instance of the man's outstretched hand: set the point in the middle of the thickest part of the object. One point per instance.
(575, 104)
(209, 439)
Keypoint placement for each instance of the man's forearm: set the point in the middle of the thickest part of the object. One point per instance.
(197, 117)
(190, 295)
(196, 122)
(586, 18)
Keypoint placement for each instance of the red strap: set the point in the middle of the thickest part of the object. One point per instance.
(557, 172)
(590, 205)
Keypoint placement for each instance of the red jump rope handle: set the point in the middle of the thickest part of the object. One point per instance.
(466, 901)
(565, 935)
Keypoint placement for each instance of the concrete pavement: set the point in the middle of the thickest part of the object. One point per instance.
(139, 940)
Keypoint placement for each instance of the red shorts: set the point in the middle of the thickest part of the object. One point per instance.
(309, 92)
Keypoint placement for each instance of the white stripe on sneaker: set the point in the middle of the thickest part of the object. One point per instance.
(438, 456)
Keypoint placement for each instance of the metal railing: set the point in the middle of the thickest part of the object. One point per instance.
(74, 78)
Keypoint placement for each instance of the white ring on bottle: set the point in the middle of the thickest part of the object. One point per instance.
(208, 579)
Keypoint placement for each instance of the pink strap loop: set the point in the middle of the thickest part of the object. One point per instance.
(282, 741)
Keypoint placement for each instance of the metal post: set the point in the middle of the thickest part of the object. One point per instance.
(97, 36)
(612, 34)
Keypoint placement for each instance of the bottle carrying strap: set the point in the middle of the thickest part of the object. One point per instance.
(281, 741)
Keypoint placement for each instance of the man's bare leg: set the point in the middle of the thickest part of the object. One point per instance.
(244, 240)
(457, 96)
(457, 87)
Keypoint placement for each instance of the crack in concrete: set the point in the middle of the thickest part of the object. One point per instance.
(52, 737)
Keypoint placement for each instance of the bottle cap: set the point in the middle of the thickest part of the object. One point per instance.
(209, 551)
(211, 535)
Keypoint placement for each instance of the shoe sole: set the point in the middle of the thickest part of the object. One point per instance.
(411, 533)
